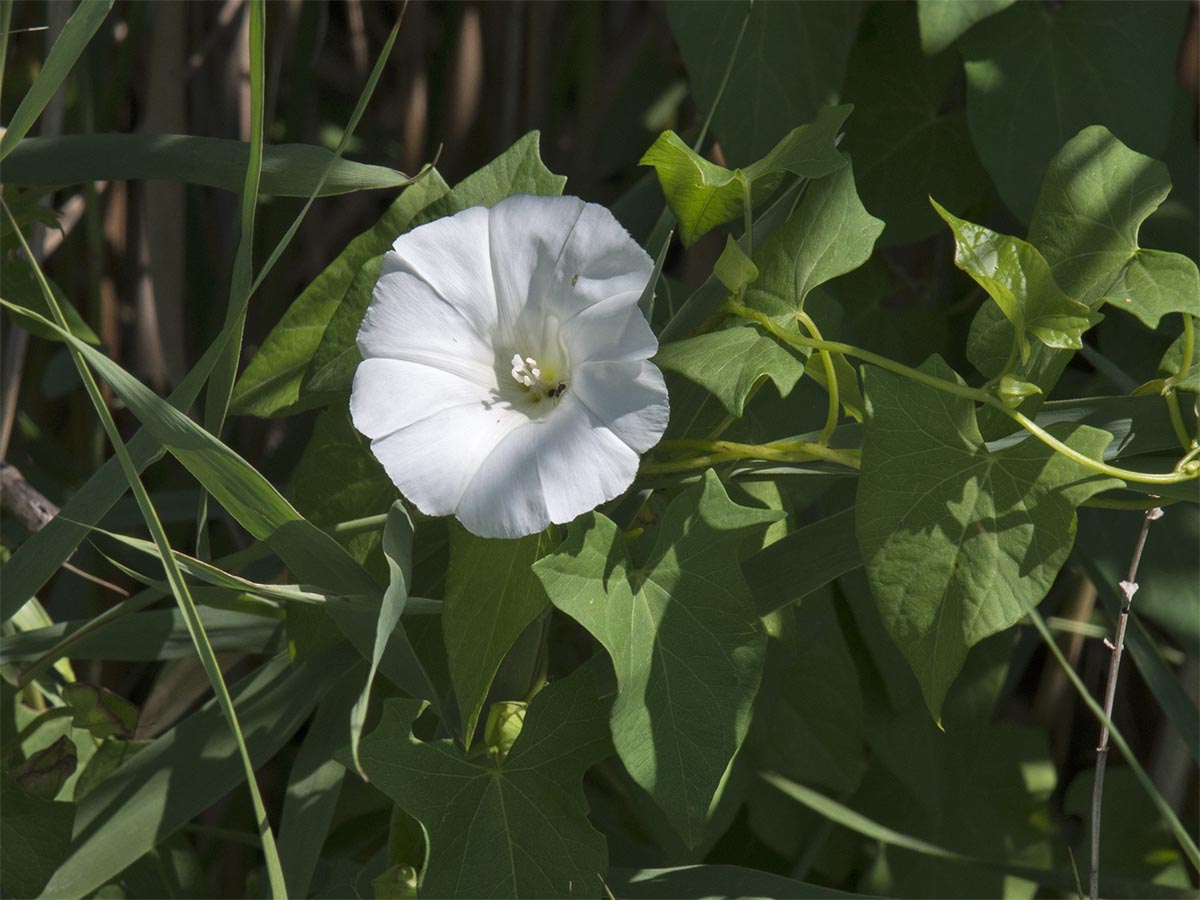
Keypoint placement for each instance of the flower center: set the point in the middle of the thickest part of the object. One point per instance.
(541, 382)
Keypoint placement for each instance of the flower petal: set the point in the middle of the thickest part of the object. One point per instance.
(407, 319)
(550, 470)
(432, 461)
(613, 330)
(556, 256)
(629, 397)
(453, 256)
(390, 394)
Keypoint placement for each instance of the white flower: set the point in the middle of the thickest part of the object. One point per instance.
(506, 376)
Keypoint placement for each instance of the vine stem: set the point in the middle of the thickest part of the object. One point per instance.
(714, 452)
(1128, 589)
(961, 390)
(831, 418)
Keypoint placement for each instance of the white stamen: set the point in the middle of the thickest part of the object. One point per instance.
(529, 374)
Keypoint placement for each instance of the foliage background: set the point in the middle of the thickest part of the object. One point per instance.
(148, 264)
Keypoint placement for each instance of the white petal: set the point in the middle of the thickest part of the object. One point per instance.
(557, 256)
(610, 331)
(453, 256)
(432, 461)
(407, 319)
(390, 394)
(630, 398)
(550, 470)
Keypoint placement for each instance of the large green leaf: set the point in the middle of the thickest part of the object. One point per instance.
(75, 36)
(829, 234)
(35, 836)
(288, 170)
(338, 479)
(814, 726)
(806, 559)
(515, 828)
(730, 362)
(1056, 70)
(792, 61)
(943, 22)
(1018, 278)
(935, 789)
(1094, 199)
(686, 643)
(491, 596)
(958, 540)
(907, 145)
(703, 195)
(270, 385)
(188, 769)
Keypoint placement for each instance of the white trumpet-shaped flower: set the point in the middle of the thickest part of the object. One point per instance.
(506, 376)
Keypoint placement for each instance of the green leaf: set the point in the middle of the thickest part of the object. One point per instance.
(34, 837)
(1058, 70)
(397, 548)
(518, 170)
(68, 47)
(907, 143)
(517, 828)
(109, 757)
(271, 383)
(791, 64)
(45, 772)
(733, 267)
(338, 479)
(1018, 278)
(288, 170)
(100, 711)
(686, 643)
(1096, 195)
(703, 195)
(144, 801)
(492, 595)
(715, 883)
(943, 22)
(814, 729)
(957, 539)
(803, 561)
(728, 363)
(829, 234)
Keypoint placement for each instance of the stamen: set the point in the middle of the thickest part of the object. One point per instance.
(541, 383)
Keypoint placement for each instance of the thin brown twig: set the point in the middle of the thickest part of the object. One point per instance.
(1128, 589)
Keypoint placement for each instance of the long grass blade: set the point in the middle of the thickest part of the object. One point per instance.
(175, 578)
(76, 35)
(43, 552)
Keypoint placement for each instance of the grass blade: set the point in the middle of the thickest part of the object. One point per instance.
(179, 587)
(76, 35)
(288, 170)
(397, 547)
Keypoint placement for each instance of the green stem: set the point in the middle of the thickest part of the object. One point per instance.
(710, 453)
(1185, 363)
(961, 390)
(831, 418)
